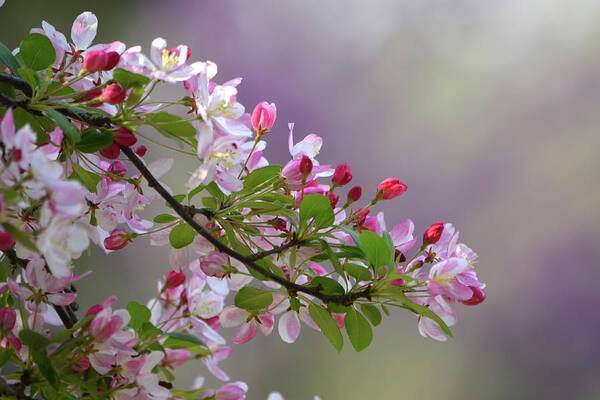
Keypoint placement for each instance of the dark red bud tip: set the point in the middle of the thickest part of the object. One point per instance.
(112, 59)
(114, 94)
(93, 94)
(354, 193)
(433, 233)
(124, 137)
(342, 175)
(306, 165)
(95, 60)
(390, 188)
(175, 278)
(8, 318)
(477, 298)
(117, 240)
(141, 151)
(333, 199)
(111, 152)
(6, 241)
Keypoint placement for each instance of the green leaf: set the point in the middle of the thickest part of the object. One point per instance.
(169, 124)
(5, 355)
(181, 340)
(387, 238)
(295, 304)
(19, 236)
(93, 140)
(187, 394)
(62, 92)
(327, 285)
(64, 124)
(33, 339)
(332, 257)
(31, 76)
(358, 272)
(135, 96)
(149, 331)
(375, 248)
(65, 333)
(43, 362)
(358, 329)
(89, 179)
(318, 207)
(372, 313)
(23, 118)
(128, 79)
(37, 51)
(9, 60)
(252, 299)
(258, 177)
(165, 218)
(325, 321)
(354, 234)
(139, 315)
(181, 236)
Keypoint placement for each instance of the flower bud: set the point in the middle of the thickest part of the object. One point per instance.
(214, 264)
(175, 278)
(111, 152)
(83, 364)
(91, 95)
(112, 59)
(390, 188)
(354, 194)
(8, 318)
(117, 240)
(333, 199)
(114, 94)
(306, 165)
(118, 168)
(342, 175)
(433, 233)
(141, 150)
(263, 117)
(124, 137)
(477, 298)
(6, 241)
(94, 61)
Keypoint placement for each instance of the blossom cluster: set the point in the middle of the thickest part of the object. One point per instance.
(252, 246)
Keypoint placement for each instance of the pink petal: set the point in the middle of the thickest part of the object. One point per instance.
(84, 30)
(245, 333)
(289, 327)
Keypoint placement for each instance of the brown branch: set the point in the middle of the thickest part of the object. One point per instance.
(292, 287)
(276, 250)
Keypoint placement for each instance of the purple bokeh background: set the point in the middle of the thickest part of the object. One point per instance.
(488, 111)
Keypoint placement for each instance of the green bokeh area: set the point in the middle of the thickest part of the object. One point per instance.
(488, 111)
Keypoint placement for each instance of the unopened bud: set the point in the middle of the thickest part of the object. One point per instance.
(433, 233)
(111, 152)
(263, 117)
(141, 150)
(342, 175)
(306, 165)
(6, 241)
(114, 94)
(354, 194)
(91, 95)
(125, 137)
(117, 240)
(112, 59)
(390, 188)
(175, 278)
(94, 61)
(333, 199)
(8, 318)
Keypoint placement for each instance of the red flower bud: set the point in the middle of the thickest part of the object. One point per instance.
(91, 95)
(141, 151)
(8, 318)
(6, 241)
(117, 240)
(333, 199)
(477, 298)
(112, 59)
(118, 168)
(306, 165)
(175, 278)
(263, 117)
(111, 152)
(82, 364)
(114, 94)
(279, 224)
(354, 194)
(342, 175)
(433, 233)
(95, 60)
(124, 137)
(390, 188)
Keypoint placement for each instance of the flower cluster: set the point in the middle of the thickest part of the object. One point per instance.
(252, 246)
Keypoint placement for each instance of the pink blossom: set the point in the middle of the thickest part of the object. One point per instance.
(212, 362)
(249, 324)
(390, 188)
(84, 30)
(263, 117)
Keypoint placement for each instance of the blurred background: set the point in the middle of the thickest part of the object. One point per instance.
(488, 111)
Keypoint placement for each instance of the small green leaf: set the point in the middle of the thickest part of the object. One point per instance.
(188, 394)
(45, 365)
(33, 339)
(31, 76)
(358, 329)
(128, 79)
(37, 51)
(148, 331)
(318, 207)
(325, 321)
(139, 315)
(9, 60)
(358, 272)
(295, 304)
(372, 313)
(134, 96)
(181, 340)
(258, 177)
(326, 285)
(252, 299)
(375, 248)
(64, 124)
(5, 355)
(89, 179)
(169, 124)
(181, 236)
(165, 218)
(93, 140)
